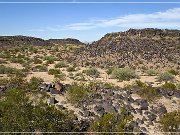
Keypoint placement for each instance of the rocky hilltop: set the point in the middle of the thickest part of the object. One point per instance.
(25, 40)
(66, 41)
(22, 40)
(142, 47)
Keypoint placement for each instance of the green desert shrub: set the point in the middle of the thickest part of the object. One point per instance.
(49, 59)
(178, 86)
(60, 64)
(17, 60)
(54, 71)
(71, 69)
(40, 68)
(60, 76)
(79, 77)
(8, 70)
(93, 72)
(19, 114)
(147, 92)
(174, 72)
(166, 76)
(123, 74)
(109, 71)
(78, 92)
(37, 61)
(34, 83)
(151, 72)
(171, 121)
(169, 85)
(110, 123)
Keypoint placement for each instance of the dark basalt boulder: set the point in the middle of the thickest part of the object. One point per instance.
(151, 117)
(2, 88)
(161, 110)
(177, 93)
(109, 108)
(99, 109)
(84, 125)
(132, 125)
(53, 101)
(54, 91)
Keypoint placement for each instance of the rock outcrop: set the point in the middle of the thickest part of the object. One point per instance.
(22, 40)
(132, 48)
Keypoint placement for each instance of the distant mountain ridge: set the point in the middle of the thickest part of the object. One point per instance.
(26, 40)
(22, 40)
(66, 41)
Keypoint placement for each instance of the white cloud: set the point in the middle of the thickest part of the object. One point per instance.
(167, 19)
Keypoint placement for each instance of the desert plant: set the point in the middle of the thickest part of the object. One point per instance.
(54, 71)
(109, 122)
(40, 68)
(171, 121)
(60, 76)
(37, 61)
(34, 83)
(8, 70)
(123, 74)
(151, 72)
(79, 77)
(93, 72)
(147, 92)
(166, 76)
(174, 72)
(49, 59)
(169, 85)
(178, 86)
(71, 69)
(78, 92)
(60, 64)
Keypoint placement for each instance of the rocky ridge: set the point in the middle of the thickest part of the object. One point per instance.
(66, 41)
(132, 48)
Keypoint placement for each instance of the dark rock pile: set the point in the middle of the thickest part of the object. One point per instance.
(112, 100)
(132, 47)
(22, 40)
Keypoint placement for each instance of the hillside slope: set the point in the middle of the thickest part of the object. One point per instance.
(145, 47)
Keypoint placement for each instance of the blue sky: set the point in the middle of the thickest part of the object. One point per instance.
(87, 22)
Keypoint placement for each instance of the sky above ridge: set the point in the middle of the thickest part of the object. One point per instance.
(84, 21)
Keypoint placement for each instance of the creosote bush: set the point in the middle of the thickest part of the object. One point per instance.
(166, 76)
(123, 74)
(111, 123)
(40, 68)
(60, 64)
(18, 114)
(147, 92)
(169, 85)
(171, 121)
(54, 71)
(78, 92)
(174, 72)
(151, 72)
(93, 72)
(71, 69)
